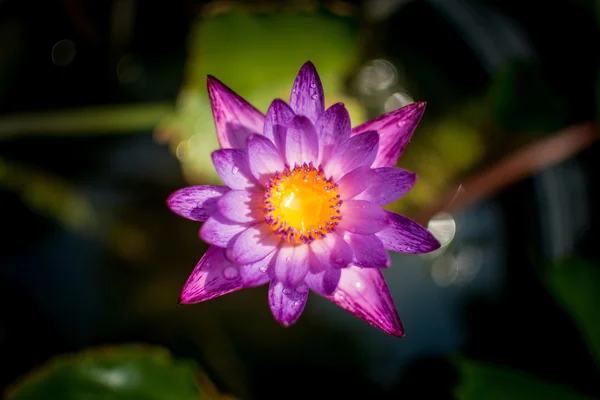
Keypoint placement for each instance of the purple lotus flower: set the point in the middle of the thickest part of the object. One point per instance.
(301, 208)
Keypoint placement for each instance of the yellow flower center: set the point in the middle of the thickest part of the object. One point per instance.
(301, 205)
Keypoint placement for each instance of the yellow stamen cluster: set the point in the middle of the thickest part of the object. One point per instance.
(301, 204)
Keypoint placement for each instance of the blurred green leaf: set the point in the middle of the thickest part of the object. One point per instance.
(522, 101)
(492, 382)
(259, 60)
(92, 120)
(575, 285)
(128, 372)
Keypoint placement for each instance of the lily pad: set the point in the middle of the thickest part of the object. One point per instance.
(128, 372)
(574, 284)
(491, 382)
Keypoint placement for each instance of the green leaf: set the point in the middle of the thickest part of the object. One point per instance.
(491, 382)
(127, 372)
(86, 121)
(259, 60)
(574, 284)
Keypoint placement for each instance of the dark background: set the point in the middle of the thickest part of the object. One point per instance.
(62, 290)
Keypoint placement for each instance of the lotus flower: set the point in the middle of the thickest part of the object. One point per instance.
(301, 208)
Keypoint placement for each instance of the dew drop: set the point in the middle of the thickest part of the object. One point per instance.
(235, 170)
(314, 96)
(288, 259)
(313, 85)
(302, 289)
(263, 269)
(230, 273)
(287, 291)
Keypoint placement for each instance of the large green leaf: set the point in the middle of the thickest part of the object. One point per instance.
(575, 285)
(491, 382)
(259, 60)
(128, 372)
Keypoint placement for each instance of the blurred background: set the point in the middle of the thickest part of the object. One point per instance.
(104, 113)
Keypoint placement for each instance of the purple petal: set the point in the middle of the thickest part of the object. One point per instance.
(301, 142)
(242, 206)
(387, 185)
(354, 182)
(257, 273)
(331, 251)
(406, 236)
(364, 293)
(279, 116)
(395, 130)
(254, 244)
(286, 304)
(368, 251)
(219, 231)
(364, 217)
(235, 118)
(233, 169)
(358, 151)
(323, 282)
(196, 202)
(307, 96)
(333, 127)
(213, 276)
(264, 158)
(292, 264)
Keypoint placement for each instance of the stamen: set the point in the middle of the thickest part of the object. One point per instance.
(302, 205)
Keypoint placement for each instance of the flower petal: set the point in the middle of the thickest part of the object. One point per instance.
(386, 185)
(214, 276)
(233, 169)
(323, 282)
(361, 216)
(264, 158)
(307, 96)
(286, 304)
(257, 273)
(331, 251)
(291, 264)
(406, 236)
(234, 117)
(241, 206)
(196, 202)
(395, 130)
(254, 244)
(301, 142)
(354, 182)
(368, 251)
(333, 127)
(279, 115)
(219, 231)
(358, 151)
(364, 293)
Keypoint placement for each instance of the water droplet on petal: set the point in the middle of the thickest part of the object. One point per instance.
(288, 259)
(287, 291)
(230, 273)
(314, 96)
(339, 261)
(235, 170)
(313, 85)
(302, 289)
(263, 269)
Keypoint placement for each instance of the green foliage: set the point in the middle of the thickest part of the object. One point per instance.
(259, 60)
(129, 372)
(490, 382)
(574, 284)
